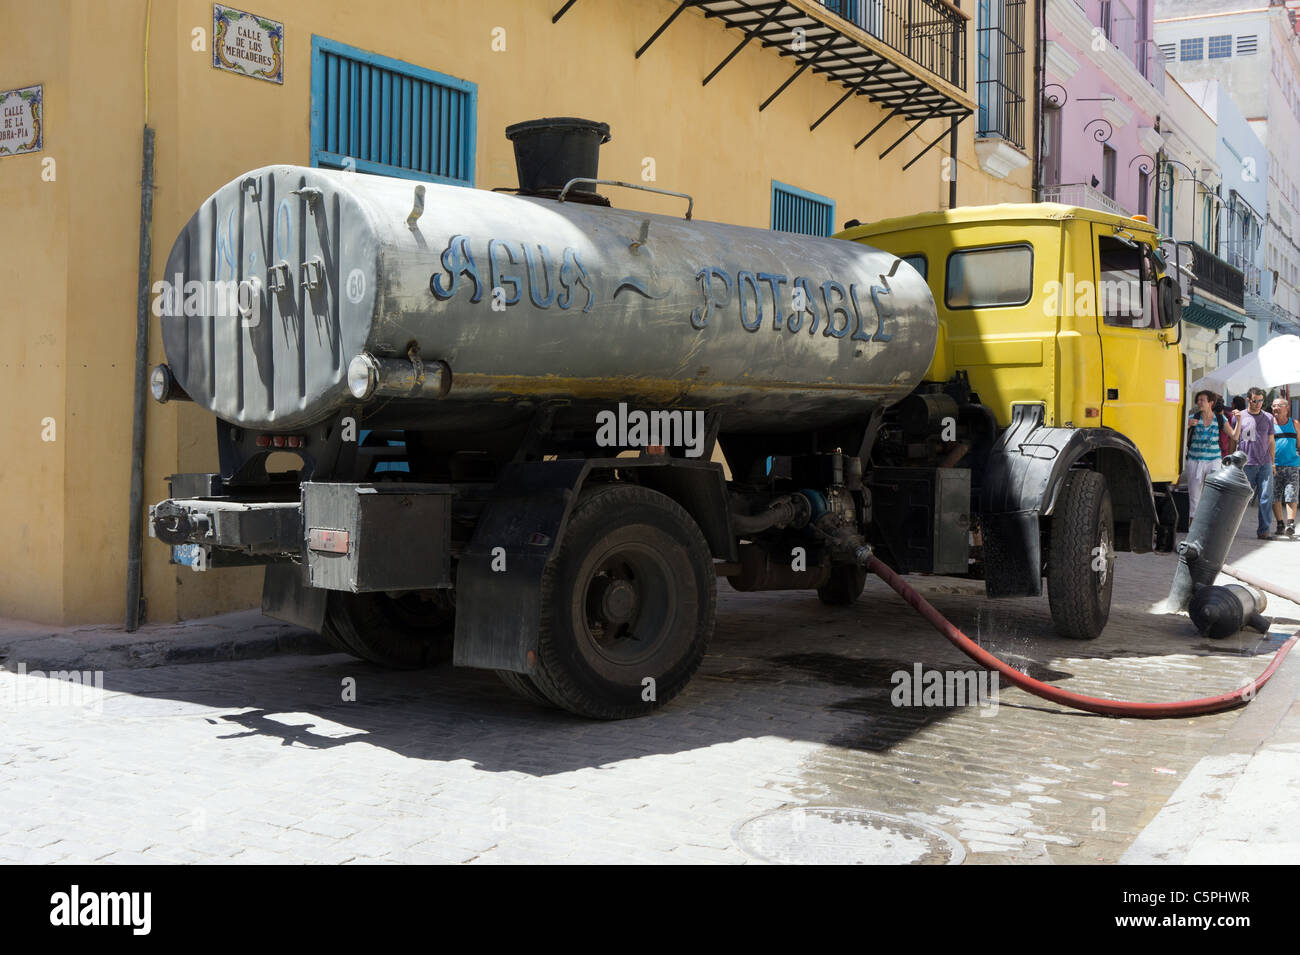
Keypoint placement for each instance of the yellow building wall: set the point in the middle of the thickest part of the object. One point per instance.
(34, 327)
(69, 248)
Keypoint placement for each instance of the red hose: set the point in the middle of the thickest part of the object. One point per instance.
(1091, 704)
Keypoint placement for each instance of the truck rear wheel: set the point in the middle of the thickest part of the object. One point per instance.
(844, 586)
(1081, 561)
(522, 685)
(402, 633)
(628, 605)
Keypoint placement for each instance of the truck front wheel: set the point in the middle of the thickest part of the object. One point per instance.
(844, 586)
(407, 632)
(1081, 560)
(628, 605)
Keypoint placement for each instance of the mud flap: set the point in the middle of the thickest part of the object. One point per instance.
(499, 576)
(1026, 471)
(286, 596)
(1013, 556)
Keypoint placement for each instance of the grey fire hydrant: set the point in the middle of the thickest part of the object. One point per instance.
(1218, 515)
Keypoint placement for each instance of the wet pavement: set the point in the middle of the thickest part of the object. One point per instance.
(786, 741)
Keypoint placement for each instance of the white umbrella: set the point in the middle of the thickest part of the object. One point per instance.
(1277, 362)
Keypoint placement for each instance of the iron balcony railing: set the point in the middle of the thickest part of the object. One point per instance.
(1151, 64)
(928, 32)
(1000, 71)
(1216, 277)
(1083, 195)
(1002, 111)
(1249, 270)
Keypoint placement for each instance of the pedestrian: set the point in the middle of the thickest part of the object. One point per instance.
(1256, 430)
(1203, 453)
(1228, 429)
(1286, 468)
(1238, 406)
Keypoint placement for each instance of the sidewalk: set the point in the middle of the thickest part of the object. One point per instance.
(234, 636)
(1237, 805)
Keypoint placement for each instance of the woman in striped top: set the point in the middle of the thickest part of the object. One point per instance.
(1202, 448)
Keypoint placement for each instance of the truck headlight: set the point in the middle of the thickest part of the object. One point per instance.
(163, 386)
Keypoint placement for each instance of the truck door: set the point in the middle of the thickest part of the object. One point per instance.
(1142, 376)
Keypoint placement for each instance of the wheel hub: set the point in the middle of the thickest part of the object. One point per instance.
(614, 601)
(1105, 557)
(626, 603)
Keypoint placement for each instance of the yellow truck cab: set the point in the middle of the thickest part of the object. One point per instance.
(1059, 325)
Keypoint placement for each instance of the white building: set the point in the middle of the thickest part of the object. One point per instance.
(1185, 196)
(1251, 48)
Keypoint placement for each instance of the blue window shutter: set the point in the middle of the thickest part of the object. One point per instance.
(796, 210)
(384, 116)
(982, 60)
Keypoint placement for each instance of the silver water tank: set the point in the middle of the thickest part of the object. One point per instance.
(526, 299)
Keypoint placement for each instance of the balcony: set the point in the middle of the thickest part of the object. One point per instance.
(1121, 27)
(906, 56)
(1083, 195)
(1151, 64)
(999, 74)
(1250, 271)
(930, 33)
(1216, 277)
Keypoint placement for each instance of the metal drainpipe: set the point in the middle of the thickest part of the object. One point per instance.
(952, 153)
(141, 385)
(1040, 79)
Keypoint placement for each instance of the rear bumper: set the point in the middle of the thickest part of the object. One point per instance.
(350, 537)
(207, 533)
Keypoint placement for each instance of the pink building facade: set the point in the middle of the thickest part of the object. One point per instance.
(1103, 93)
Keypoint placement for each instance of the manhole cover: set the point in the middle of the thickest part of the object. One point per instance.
(828, 835)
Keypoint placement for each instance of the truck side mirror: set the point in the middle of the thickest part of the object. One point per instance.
(1170, 302)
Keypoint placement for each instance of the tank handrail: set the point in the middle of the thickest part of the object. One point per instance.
(690, 202)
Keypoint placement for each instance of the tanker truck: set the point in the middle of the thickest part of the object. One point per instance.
(526, 431)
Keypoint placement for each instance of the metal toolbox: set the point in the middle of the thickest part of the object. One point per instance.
(368, 537)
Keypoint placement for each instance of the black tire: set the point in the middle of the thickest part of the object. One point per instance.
(629, 595)
(1081, 560)
(844, 587)
(402, 633)
(523, 685)
(332, 636)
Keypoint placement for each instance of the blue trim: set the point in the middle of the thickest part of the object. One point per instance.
(326, 45)
(328, 160)
(354, 95)
(814, 216)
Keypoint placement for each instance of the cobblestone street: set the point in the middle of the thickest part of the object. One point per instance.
(263, 761)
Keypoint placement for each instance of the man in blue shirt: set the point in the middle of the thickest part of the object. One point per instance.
(1286, 467)
(1257, 441)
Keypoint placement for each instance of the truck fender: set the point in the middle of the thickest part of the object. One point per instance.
(499, 575)
(1026, 470)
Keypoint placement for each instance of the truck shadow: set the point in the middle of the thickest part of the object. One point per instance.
(780, 665)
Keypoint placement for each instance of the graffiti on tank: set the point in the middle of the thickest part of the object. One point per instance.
(510, 267)
(507, 270)
(795, 304)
